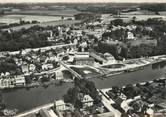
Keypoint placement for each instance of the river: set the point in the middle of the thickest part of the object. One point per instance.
(24, 99)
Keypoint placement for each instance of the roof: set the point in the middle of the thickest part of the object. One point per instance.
(59, 103)
(87, 98)
(85, 59)
(82, 53)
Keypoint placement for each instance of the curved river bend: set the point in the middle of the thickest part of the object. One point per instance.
(24, 99)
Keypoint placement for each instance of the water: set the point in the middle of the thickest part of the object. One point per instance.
(133, 77)
(24, 99)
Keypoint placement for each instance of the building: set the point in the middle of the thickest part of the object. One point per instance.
(19, 80)
(110, 58)
(6, 83)
(59, 74)
(87, 101)
(25, 68)
(83, 58)
(130, 36)
(82, 55)
(47, 66)
(60, 105)
(32, 67)
(84, 61)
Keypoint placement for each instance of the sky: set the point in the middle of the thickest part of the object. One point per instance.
(119, 1)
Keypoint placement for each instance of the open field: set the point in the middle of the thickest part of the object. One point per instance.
(44, 24)
(69, 12)
(128, 17)
(140, 12)
(40, 18)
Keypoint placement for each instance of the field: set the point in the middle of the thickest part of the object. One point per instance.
(140, 12)
(128, 17)
(40, 18)
(69, 12)
(44, 24)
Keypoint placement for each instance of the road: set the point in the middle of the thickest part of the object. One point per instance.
(107, 103)
(34, 110)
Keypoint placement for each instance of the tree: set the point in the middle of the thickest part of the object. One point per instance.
(117, 22)
(133, 19)
(78, 104)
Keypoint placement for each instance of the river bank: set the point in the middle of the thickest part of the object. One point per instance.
(25, 99)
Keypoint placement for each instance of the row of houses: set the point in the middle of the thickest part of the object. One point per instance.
(61, 109)
(10, 82)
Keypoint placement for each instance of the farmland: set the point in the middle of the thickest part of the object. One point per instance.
(7, 19)
(51, 23)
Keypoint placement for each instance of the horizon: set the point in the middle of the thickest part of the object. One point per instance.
(82, 1)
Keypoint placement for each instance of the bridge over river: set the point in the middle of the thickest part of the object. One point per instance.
(25, 99)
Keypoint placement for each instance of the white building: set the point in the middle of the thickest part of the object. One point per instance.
(32, 67)
(110, 58)
(87, 101)
(60, 105)
(82, 55)
(130, 36)
(47, 66)
(59, 74)
(25, 68)
(19, 80)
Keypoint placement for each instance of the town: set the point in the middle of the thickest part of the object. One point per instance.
(84, 50)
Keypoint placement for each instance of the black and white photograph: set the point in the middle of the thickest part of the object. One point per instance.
(82, 58)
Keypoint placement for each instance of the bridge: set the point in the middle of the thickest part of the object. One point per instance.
(71, 70)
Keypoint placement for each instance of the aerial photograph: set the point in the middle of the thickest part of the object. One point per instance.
(83, 58)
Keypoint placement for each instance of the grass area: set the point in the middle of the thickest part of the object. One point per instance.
(45, 24)
(141, 12)
(69, 12)
(40, 18)
(86, 72)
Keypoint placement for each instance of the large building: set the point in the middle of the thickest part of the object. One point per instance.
(83, 58)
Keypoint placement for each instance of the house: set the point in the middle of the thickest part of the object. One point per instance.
(59, 74)
(87, 101)
(47, 66)
(25, 68)
(83, 58)
(19, 80)
(110, 58)
(51, 58)
(82, 55)
(7, 74)
(32, 67)
(6, 83)
(130, 36)
(60, 105)
(83, 46)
